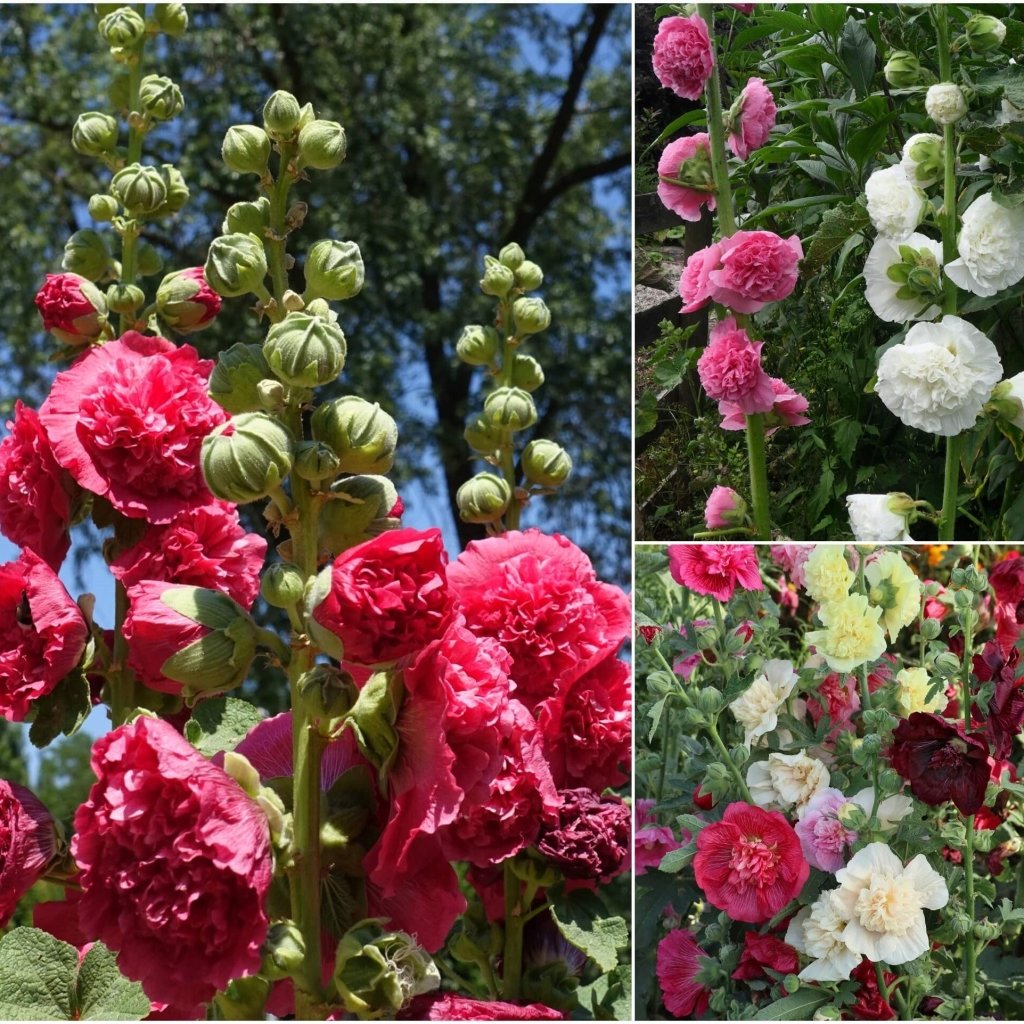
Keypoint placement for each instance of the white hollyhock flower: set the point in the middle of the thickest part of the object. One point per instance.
(1010, 112)
(895, 206)
(757, 708)
(990, 248)
(945, 103)
(940, 376)
(922, 159)
(902, 280)
(786, 780)
(890, 811)
(881, 518)
(884, 903)
(817, 931)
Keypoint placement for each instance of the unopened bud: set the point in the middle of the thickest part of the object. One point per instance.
(546, 463)
(177, 190)
(363, 436)
(94, 134)
(123, 27)
(148, 261)
(530, 315)
(160, 98)
(305, 351)
(511, 256)
(246, 149)
(171, 18)
(236, 265)
(529, 277)
(498, 280)
(272, 395)
(125, 298)
(234, 381)
(185, 302)
(483, 437)
(360, 508)
(945, 103)
(281, 115)
(326, 695)
(103, 208)
(334, 270)
(903, 70)
(247, 218)
(483, 498)
(322, 145)
(85, 254)
(282, 585)
(284, 951)
(984, 33)
(247, 457)
(526, 372)
(141, 189)
(478, 345)
(316, 461)
(510, 409)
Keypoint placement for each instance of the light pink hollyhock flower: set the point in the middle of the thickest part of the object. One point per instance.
(724, 508)
(28, 841)
(715, 569)
(695, 282)
(681, 199)
(935, 607)
(679, 960)
(175, 865)
(755, 268)
(127, 421)
(787, 410)
(730, 369)
(793, 558)
(650, 844)
(824, 839)
(756, 118)
(683, 56)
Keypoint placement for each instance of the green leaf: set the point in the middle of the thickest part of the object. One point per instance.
(1008, 80)
(582, 919)
(857, 51)
(62, 710)
(220, 724)
(104, 993)
(837, 225)
(799, 1006)
(676, 860)
(37, 976)
(646, 413)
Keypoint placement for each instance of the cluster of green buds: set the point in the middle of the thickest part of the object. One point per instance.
(497, 498)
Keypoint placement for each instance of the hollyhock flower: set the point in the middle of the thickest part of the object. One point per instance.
(724, 508)
(940, 376)
(127, 421)
(895, 205)
(679, 960)
(902, 279)
(387, 597)
(72, 308)
(186, 302)
(922, 160)
(941, 761)
(695, 280)
(28, 841)
(788, 408)
(895, 588)
(1007, 580)
(175, 864)
(590, 838)
(730, 369)
(817, 931)
(683, 55)
(852, 634)
(643, 808)
(36, 495)
(937, 605)
(827, 573)
(757, 708)
(650, 844)
(871, 1004)
(879, 518)
(451, 1006)
(42, 634)
(765, 951)
(1005, 713)
(538, 596)
(914, 684)
(752, 118)
(793, 559)
(888, 812)
(787, 780)
(715, 569)
(755, 268)
(824, 839)
(648, 633)
(884, 903)
(687, 160)
(945, 103)
(837, 696)
(990, 258)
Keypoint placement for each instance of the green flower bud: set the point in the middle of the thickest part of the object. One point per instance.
(160, 98)
(362, 435)
(236, 265)
(281, 115)
(246, 149)
(483, 437)
(282, 585)
(853, 816)
(177, 190)
(123, 27)
(359, 508)
(903, 70)
(984, 33)
(141, 189)
(304, 350)
(327, 695)
(247, 218)
(306, 116)
(319, 307)
(529, 276)
(103, 208)
(271, 394)
(247, 457)
(478, 345)
(172, 19)
(526, 372)
(147, 260)
(334, 270)
(498, 280)
(234, 379)
(85, 254)
(322, 145)
(530, 316)
(125, 298)
(511, 256)
(483, 498)
(510, 409)
(316, 461)
(94, 134)
(546, 464)
(284, 951)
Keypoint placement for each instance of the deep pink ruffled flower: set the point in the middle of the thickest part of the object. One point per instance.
(455, 1007)
(756, 119)
(683, 55)
(42, 634)
(934, 606)
(1007, 580)
(590, 838)
(715, 569)
(730, 369)
(755, 268)
(28, 840)
(685, 200)
(871, 1004)
(36, 495)
(67, 310)
(175, 865)
(127, 421)
(679, 960)
(724, 508)
(650, 844)
(787, 410)
(824, 839)
(837, 695)
(765, 951)
(695, 280)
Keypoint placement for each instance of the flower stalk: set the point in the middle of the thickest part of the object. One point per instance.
(970, 951)
(512, 961)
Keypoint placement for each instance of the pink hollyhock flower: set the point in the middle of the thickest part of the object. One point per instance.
(644, 809)
(744, 8)
(679, 960)
(204, 547)
(455, 1007)
(715, 569)
(683, 55)
(539, 597)
(838, 696)
(683, 199)
(787, 410)
(792, 558)
(388, 596)
(175, 865)
(186, 302)
(724, 508)
(71, 308)
(590, 838)
(127, 421)
(755, 118)
(695, 280)
(755, 268)
(42, 634)
(730, 369)
(750, 863)
(824, 839)
(765, 951)
(36, 495)
(1007, 580)
(28, 841)
(586, 728)
(934, 606)
(650, 844)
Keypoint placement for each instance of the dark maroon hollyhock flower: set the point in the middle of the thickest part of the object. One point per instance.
(1006, 708)
(1007, 580)
(761, 951)
(591, 839)
(941, 761)
(871, 1004)
(929, 1005)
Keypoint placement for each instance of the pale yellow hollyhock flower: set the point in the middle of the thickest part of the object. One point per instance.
(895, 588)
(828, 573)
(852, 635)
(914, 685)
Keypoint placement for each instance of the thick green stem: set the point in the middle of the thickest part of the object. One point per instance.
(716, 135)
(512, 959)
(121, 679)
(276, 245)
(135, 134)
(950, 488)
(758, 476)
(970, 950)
(741, 784)
(865, 692)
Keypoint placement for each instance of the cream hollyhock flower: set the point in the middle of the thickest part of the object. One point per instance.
(757, 708)
(852, 635)
(940, 376)
(922, 161)
(890, 811)
(786, 780)
(895, 588)
(914, 684)
(945, 103)
(884, 903)
(991, 254)
(827, 573)
(903, 280)
(881, 518)
(895, 205)
(817, 931)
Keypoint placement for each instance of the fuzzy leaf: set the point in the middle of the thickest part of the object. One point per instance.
(220, 724)
(62, 710)
(580, 918)
(837, 226)
(799, 1006)
(104, 993)
(37, 976)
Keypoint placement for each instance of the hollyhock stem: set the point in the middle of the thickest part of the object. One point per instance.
(865, 691)
(741, 784)
(508, 459)
(947, 517)
(512, 960)
(758, 476)
(277, 242)
(969, 948)
(716, 135)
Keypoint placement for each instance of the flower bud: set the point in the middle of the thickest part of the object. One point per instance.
(246, 149)
(546, 464)
(125, 298)
(498, 280)
(284, 951)
(141, 189)
(530, 316)
(360, 508)
(247, 218)
(483, 498)
(271, 395)
(316, 461)
(852, 816)
(281, 115)
(236, 265)
(922, 159)
(85, 254)
(984, 33)
(529, 277)
(123, 27)
(172, 19)
(945, 103)
(147, 260)
(483, 437)
(94, 134)
(724, 509)
(363, 436)
(510, 409)
(327, 694)
(334, 270)
(185, 302)
(72, 308)
(304, 350)
(234, 379)
(526, 372)
(478, 345)
(322, 145)
(903, 70)
(1008, 400)
(282, 585)
(103, 208)
(160, 98)
(511, 256)
(177, 190)
(247, 457)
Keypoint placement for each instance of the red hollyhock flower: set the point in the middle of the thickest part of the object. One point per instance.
(454, 1007)
(837, 695)
(750, 863)
(175, 864)
(388, 597)
(68, 311)
(649, 633)
(539, 597)
(42, 634)
(591, 838)
(1007, 580)
(765, 951)
(941, 761)
(36, 495)
(28, 840)
(1006, 708)
(679, 960)
(871, 1004)
(705, 801)
(127, 421)
(715, 569)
